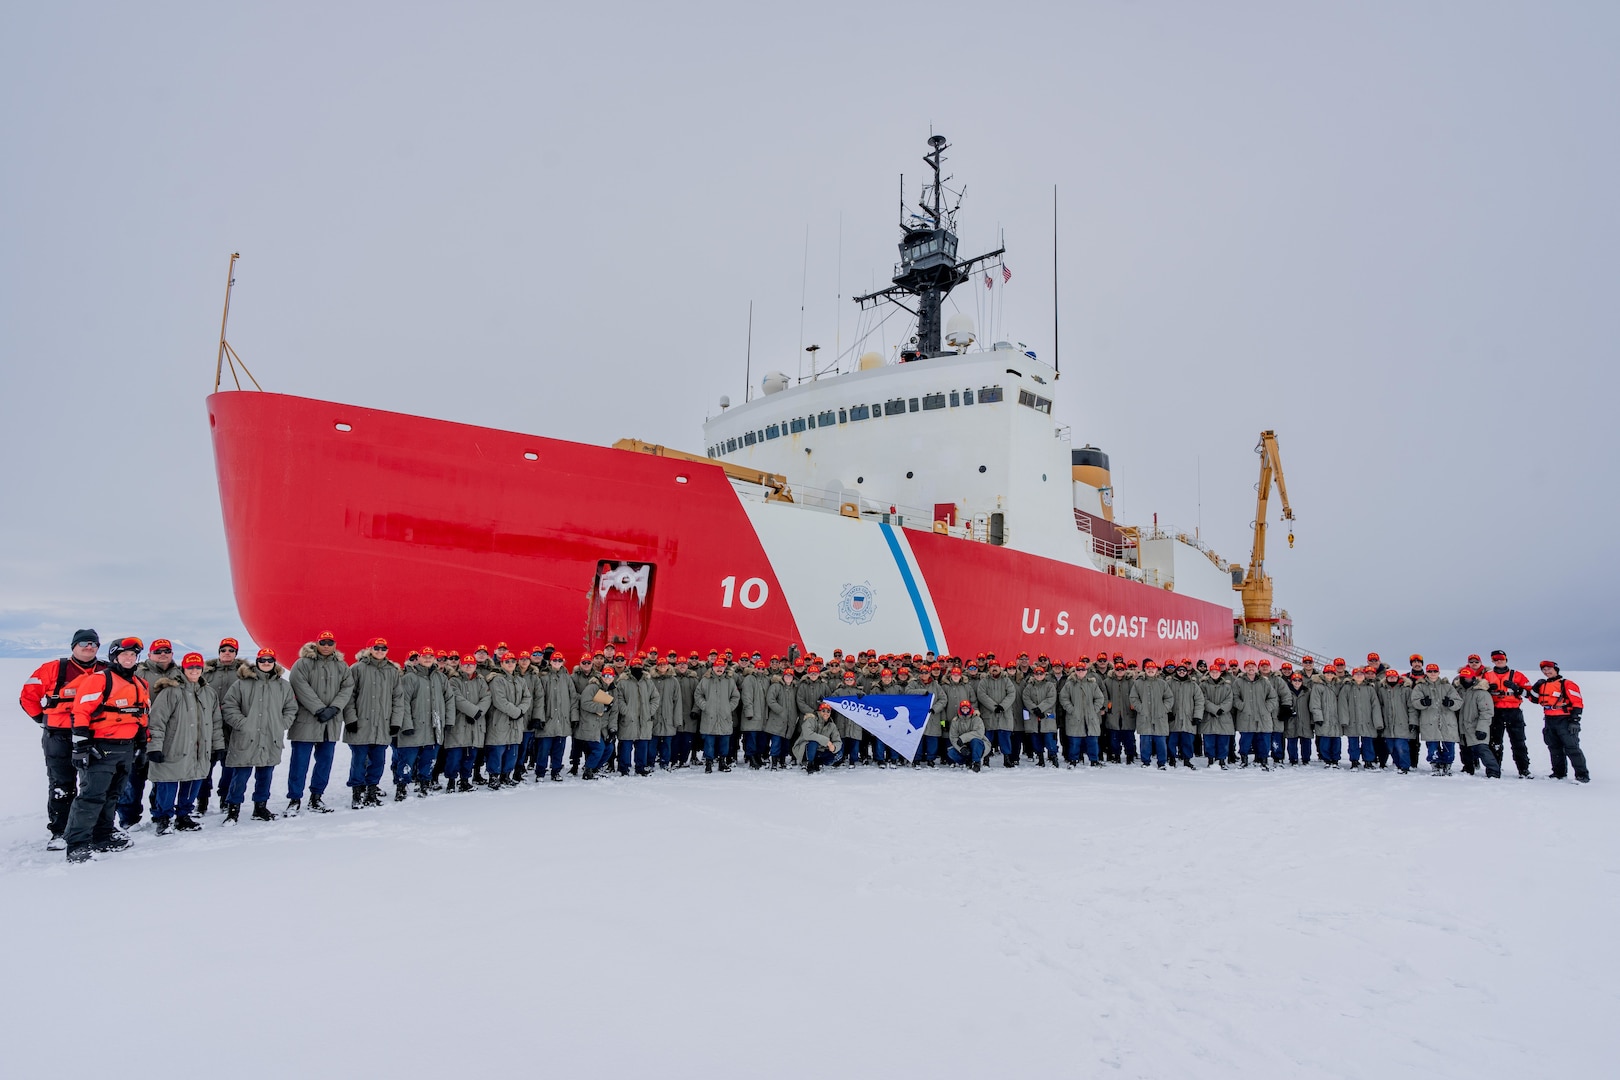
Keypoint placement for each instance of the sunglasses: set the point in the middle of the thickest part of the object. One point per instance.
(223, 649)
(267, 660)
(326, 641)
(379, 648)
(162, 652)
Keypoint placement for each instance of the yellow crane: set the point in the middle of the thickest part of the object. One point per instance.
(775, 484)
(1256, 584)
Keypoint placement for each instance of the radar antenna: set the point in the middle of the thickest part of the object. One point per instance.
(928, 268)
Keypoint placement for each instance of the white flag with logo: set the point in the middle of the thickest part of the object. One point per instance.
(897, 719)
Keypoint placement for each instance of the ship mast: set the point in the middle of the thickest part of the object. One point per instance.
(928, 269)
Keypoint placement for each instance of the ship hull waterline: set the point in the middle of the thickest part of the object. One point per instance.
(431, 533)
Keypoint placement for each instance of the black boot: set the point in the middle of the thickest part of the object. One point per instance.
(812, 766)
(708, 766)
(293, 807)
(357, 801)
(162, 825)
(421, 789)
(186, 823)
(464, 784)
(373, 795)
(318, 807)
(590, 774)
(202, 805)
(232, 810)
(399, 792)
(556, 775)
(262, 812)
(725, 765)
(976, 766)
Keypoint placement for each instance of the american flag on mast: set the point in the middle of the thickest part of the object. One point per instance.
(1006, 274)
(989, 282)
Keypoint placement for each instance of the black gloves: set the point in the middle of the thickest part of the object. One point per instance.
(697, 714)
(393, 729)
(86, 753)
(533, 725)
(155, 757)
(1575, 713)
(1479, 736)
(219, 756)
(1426, 701)
(352, 727)
(40, 719)
(1037, 714)
(327, 713)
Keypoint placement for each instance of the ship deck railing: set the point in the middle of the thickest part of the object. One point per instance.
(848, 504)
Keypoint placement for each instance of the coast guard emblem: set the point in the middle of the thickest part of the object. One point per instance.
(858, 604)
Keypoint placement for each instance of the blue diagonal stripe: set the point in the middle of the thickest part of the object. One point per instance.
(911, 586)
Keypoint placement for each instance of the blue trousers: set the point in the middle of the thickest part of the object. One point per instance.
(1400, 752)
(638, 751)
(1002, 741)
(1076, 745)
(882, 751)
(780, 744)
(501, 759)
(815, 752)
(550, 753)
(366, 762)
(414, 762)
(1329, 748)
(459, 762)
(755, 743)
(1257, 743)
(1276, 746)
(716, 747)
(1361, 749)
(236, 782)
(928, 750)
(1217, 747)
(975, 752)
(165, 793)
(1299, 750)
(683, 746)
(593, 754)
(525, 748)
(1181, 745)
(1154, 746)
(1045, 742)
(852, 751)
(1122, 742)
(1442, 753)
(298, 768)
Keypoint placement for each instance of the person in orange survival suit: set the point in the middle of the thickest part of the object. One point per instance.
(1508, 688)
(109, 723)
(47, 698)
(1561, 709)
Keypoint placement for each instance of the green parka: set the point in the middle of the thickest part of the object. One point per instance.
(1437, 720)
(1360, 710)
(1187, 706)
(557, 703)
(469, 699)
(1082, 700)
(426, 703)
(1219, 697)
(319, 682)
(257, 713)
(813, 729)
(1152, 699)
(598, 721)
(508, 712)
(376, 706)
(1039, 701)
(184, 723)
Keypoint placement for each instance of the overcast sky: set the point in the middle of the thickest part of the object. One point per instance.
(1388, 231)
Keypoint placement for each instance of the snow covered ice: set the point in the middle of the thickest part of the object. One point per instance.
(1118, 922)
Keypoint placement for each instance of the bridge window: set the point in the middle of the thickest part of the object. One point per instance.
(749, 440)
(843, 416)
(1026, 399)
(1043, 405)
(989, 394)
(859, 412)
(894, 406)
(731, 446)
(967, 397)
(912, 404)
(798, 424)
(772, 432)
(934, 401)
(827, 419)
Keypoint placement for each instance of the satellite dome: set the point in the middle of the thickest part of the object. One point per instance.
(774, 382)
(959, 330)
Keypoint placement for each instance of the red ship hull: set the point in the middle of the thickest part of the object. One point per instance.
(370, 523)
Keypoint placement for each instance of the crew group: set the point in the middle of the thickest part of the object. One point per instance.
(492, 717)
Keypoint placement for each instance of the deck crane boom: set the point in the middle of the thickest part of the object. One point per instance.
(775, 484)
(1256, 584)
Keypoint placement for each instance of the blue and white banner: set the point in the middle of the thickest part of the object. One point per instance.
(897, 719)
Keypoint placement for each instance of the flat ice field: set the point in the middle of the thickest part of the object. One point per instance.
(1114, 922)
